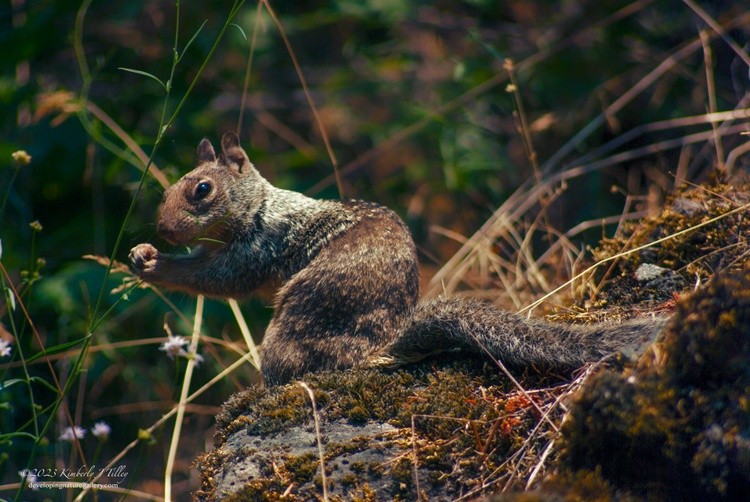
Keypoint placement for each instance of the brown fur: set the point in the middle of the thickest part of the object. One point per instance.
(348, 274)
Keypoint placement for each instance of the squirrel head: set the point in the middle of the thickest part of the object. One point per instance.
(214, 202)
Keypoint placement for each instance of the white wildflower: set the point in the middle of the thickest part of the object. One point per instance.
(101, 430)
(173, 346)
(4, 348)
(70, 433)
(21, 157)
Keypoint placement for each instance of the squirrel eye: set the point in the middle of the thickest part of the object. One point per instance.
(202, 189)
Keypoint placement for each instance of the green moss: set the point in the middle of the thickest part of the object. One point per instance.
(262, 490)
(358, 414)
(349, 480)
(232, 409)
(677, 413)
(689, 256)
(302, 468)
(366, 494)
(459, 409)
(402, 477)
(710, 346)
(582, 485)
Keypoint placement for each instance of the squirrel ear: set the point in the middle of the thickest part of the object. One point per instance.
(233, 152)
(206, 152)
(229, 140)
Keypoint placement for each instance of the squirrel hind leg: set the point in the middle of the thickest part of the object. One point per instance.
(434, 327)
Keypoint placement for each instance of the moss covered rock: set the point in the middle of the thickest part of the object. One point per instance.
(441, 429)
(677, 426)
(698, 233)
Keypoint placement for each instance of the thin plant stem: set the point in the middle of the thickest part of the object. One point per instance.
(183, 398)
(251, 53)
(321, 454)
(308, 95)
(7, 191)
(27, 379)
(711, 91)
(245, 332)
(720, 30)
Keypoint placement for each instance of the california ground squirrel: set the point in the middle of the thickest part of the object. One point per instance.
(348, 277)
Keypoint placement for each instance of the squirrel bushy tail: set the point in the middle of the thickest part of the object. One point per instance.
(447, 324)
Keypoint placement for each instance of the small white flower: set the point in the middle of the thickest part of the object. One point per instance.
(101, 430)
(30, 478)
(70, 433)
(173, 346)
(4, 348)
(21, 158)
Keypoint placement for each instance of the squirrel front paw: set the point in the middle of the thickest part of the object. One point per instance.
(143, 259)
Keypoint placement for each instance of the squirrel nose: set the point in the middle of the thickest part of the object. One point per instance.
(166, 232)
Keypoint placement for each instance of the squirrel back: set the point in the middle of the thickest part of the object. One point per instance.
(348, 277)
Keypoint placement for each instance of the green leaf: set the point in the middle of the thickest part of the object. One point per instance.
(241, 30)
(8, 383)
(44, 383)
(56, 349)
(10, 435)
(193, 39)
(145, 74)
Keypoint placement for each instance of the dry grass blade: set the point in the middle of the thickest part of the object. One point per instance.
(711, 90)
(251, 53)
(644, 83)
(251, 347)
(308, 95)
(321, 454)
(593, 267)
(187, 378)
(720, 30)
(735, 154)
(505, 220)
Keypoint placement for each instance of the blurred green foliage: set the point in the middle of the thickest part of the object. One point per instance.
(377, 70)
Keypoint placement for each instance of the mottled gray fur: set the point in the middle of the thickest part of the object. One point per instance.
(347, 278)
(446, 323)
